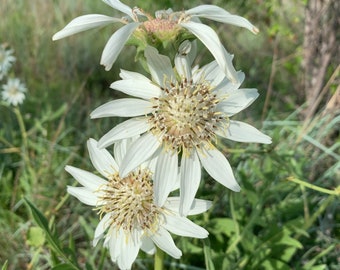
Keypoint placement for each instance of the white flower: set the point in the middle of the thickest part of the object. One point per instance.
(6, 61)
(166, 24)
(179, 114)
(14, 91)
(130, 220)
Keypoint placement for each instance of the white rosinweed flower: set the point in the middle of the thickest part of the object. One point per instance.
(166, 24)
(6, 60)
(179, 114)
(130, 219)
(14, 91)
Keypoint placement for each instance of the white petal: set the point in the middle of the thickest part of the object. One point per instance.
(193, 52)
(84, 23)
(237, 101)
(183, 61)
(148, 246)
(210, 39)
(129, 252)
(124, 107)
(210, 72)
(164, 241)
(85, 178)
(198, 206)
(152, 161)
(184, 227)
(182, 67)
(126, 75)
(84, 195)
(159, 65)
(138, 88)
(218, 167)
(226, 86)
(116, 4)
(119, 150)
(216, 13)
(121, 147)
(139, 151)
(165, 175)
(190, 180)
(101, 159)
(242, 132)
(115, 44)
(101, 228)
(116, 240)
(127, 129)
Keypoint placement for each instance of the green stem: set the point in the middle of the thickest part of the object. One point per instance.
(25, 154)
(159, 257)
(233, 213)
(317, 188)
(21, 126)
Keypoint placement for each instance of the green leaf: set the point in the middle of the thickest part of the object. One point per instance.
(270, 264)
(319, 267)
(41, 220)
(310, 264)
(289, 241)
(63, 266)
(285, 254)
(191, 248)
(207, 255)
(223, 225)
(35, 237)
(249, 241)
(5, 265)
(283, 237)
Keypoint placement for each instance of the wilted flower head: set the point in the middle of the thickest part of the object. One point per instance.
(165, 26)
(180, 113)
(14, 91)
(130, 219)
(6, 60)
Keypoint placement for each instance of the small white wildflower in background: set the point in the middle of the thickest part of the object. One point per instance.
(183, 113)
(14, 91)
(130, 220)
(6, 60)
(166, 25)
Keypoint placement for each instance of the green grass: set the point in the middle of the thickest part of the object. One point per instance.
(273, 223)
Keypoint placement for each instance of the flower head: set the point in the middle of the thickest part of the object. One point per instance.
(14, 91)
(179, 115)
(130, 219)
(6, 60)
(164, 26)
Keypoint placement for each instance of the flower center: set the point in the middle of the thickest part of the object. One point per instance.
(185, 115)
(130, 201)
(13, 91)
(159, 25)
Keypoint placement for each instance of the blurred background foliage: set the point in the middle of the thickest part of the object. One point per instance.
(277, 221)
